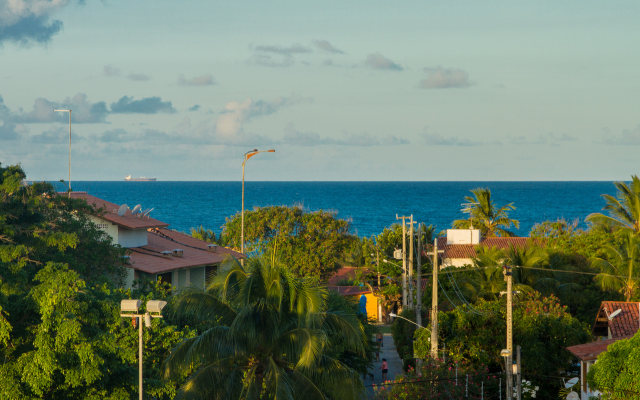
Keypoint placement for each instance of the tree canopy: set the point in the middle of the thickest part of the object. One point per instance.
(617, 371)
(308, 242)
(486, 216)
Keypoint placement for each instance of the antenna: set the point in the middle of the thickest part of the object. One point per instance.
(614, 314)
(571, 382)
(147, 212)
(136, 209)
(123, 209)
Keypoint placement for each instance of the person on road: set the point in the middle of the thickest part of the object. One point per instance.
(379, 339)
(385, 368)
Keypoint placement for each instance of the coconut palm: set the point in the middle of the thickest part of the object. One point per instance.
(269, 341)
(620, 266)
(486, 216)
(624, 211)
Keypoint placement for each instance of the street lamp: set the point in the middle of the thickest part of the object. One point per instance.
(69, 111)
(154, 309)
(247, 156)
(394, 315)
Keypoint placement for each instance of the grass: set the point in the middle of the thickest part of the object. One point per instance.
(384, 328)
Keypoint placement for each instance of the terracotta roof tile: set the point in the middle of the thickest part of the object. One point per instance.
(590, 351)
(346, 273)
(627, 322)
(128, 220)
(469, 250)
(149, 258)
(349, 290)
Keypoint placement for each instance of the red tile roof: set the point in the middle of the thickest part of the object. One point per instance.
(469, 250)
(149, 258)
(627, 322)
(128, 220)
(590, 351)
(347, 273)
(349, 290)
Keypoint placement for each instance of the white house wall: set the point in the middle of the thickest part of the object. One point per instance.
(107, 227)
(456, 262)
(132, 237)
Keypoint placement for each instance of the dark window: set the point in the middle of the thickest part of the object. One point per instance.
(166, 277)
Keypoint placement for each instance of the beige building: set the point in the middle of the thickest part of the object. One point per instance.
(460, 245)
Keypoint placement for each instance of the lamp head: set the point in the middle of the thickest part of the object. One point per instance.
(155, 306)
(130, 305)
(505, 353)
(394, 315)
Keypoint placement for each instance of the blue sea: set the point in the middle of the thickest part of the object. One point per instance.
(370, 206)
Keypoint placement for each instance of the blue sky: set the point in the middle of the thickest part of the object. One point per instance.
(358, 90)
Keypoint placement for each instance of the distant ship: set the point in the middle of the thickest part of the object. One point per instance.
(142, 178)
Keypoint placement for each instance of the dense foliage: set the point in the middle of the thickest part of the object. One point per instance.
(272, 339)
(61, 334)
(485, 215)
(617, 371)
(541, 326)
(309, 243)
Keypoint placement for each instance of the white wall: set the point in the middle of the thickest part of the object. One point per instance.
(107, 227)
(463, 236)
(456, 262)
(132, 237)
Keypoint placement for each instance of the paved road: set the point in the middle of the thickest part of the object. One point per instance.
(389, 352)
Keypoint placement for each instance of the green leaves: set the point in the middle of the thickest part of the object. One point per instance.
(309, 243)
(617, 371)
(272, 338)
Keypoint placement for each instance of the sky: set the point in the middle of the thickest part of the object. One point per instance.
(342, 90)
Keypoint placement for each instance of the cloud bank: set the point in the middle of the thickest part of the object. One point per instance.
(326, 46)
(627, 138)
(148, 105)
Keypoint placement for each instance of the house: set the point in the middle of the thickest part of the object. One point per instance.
(616, 320)
(356, 292)
(154, 251)
(460, 245)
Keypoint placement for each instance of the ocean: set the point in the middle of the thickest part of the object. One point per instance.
(369, 206)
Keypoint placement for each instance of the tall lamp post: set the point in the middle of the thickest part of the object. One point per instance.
(69, 111)
(247, 156)
(154, 309)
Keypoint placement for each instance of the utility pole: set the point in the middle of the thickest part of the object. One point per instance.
(519, 374)
(410, 299)
(404, 260)
(419, 285)
(434, 301)
(507, 271)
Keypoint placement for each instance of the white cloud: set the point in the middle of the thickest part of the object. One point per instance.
(25, 21)
(326, 46)
(627, 138)
(443, 78)
(203, 80)
(378, 61)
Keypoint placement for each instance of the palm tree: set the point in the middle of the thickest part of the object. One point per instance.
(624, 211)
(270, 339)
(203, 234)
(620, 266)
(484, 215)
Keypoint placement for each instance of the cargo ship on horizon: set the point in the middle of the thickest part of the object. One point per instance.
(141, 179)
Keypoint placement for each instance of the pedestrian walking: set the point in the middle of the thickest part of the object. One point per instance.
(385, 368)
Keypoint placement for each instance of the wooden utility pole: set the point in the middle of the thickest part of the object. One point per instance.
(507, 271)
(404, 260)
(419, 284)
(434, 303)
(410, 266)
(519, 375)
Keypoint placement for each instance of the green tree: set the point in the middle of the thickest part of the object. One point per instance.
(309, 243)
(617, 371)
(271, 341)
(620, 266)
(61, 335)
(485, 215)
(542, 326)
(624, 211)
(204, 234)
